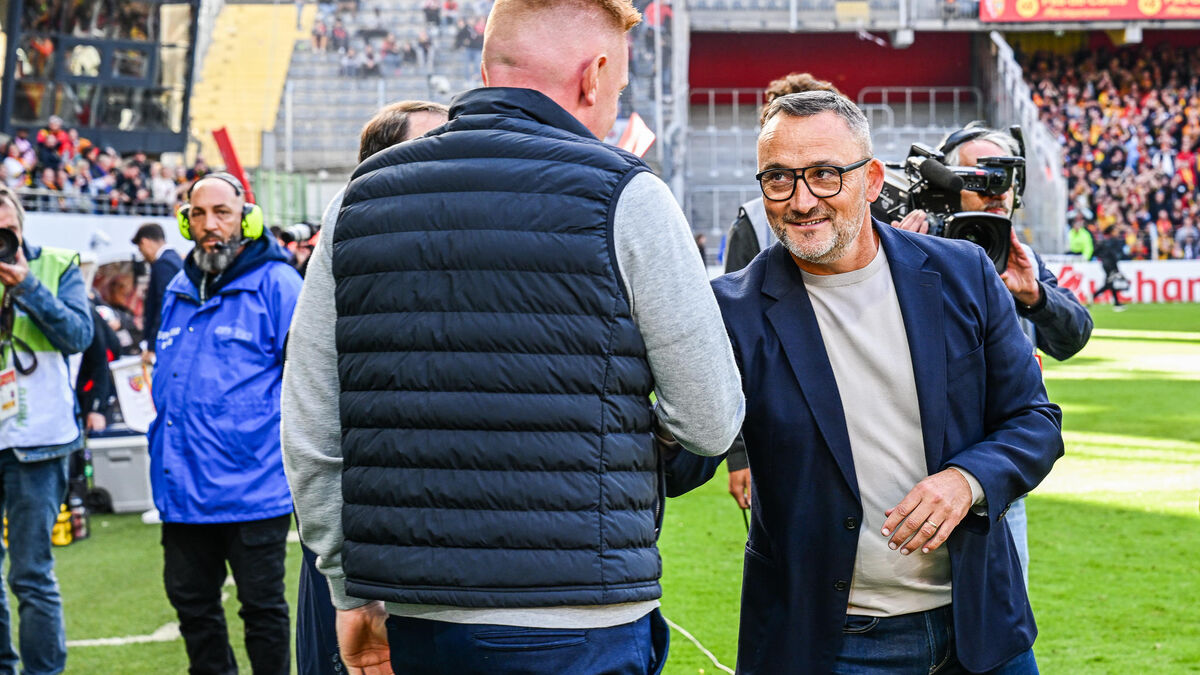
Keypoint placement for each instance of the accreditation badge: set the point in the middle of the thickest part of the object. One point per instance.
(8, 393)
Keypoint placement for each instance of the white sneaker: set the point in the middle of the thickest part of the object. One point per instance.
(151, 517)
(1120, 308)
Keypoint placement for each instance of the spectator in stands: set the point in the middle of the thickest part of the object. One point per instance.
(165, 263)
(552, 99)
(199, 170)
(47, 153)
(449, 12)
(339, 38)
(425, 45)
(28, 153)
(351, 65)
(162, 186)
(216, 471)
(369, 64)
(14, 168)
(433, 13)
(320, 36)
(53, 323)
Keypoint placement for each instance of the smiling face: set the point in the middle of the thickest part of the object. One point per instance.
(828, 235)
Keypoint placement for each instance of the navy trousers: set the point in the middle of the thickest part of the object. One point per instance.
(316, 623)
(423, 647)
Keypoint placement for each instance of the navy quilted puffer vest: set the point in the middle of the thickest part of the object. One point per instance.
(496, 427)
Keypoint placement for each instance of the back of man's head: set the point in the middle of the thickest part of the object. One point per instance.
(397, 123)
(794, 83)
(151, 232)
(573, 51)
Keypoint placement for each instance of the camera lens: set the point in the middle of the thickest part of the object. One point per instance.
(986, 230)
(8, 246)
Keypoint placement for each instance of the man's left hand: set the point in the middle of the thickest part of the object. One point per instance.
(929, 512)
(1021, 274)
(15, 273)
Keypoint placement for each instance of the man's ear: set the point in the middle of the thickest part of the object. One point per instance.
(874, 179)
(589, 80)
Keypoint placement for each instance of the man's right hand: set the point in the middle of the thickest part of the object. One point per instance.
(739, 487)
(915, 221)
(362, 639)
(147, 358)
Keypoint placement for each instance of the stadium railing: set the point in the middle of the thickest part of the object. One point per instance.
(40, 199)
(1044, 217)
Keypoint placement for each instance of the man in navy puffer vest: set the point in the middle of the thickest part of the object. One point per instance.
(496, 304)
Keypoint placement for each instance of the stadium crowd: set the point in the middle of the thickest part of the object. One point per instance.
(367, 46)
(1129, 120)
(58, 170)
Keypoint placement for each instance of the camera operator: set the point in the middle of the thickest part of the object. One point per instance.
(1052, 317)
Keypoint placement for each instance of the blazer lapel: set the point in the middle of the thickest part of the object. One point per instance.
(796, 326)
(919, 292)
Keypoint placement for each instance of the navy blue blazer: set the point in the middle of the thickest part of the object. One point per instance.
(983, 408)
(162, 271)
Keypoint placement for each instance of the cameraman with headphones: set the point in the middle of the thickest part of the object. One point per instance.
(215, 463)
(1052, 317)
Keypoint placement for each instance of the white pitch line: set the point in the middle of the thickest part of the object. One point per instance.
(702, 648)
(166, 633)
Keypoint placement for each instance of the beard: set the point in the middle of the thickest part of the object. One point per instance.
(808, 246)
(219, 259)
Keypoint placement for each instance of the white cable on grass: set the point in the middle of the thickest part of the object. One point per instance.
(702, 648)
(166, 633)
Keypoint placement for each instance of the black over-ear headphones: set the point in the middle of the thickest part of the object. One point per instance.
(977, 129)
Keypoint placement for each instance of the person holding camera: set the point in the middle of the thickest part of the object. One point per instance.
(894, 410)
(45, 318)
(1051, 316)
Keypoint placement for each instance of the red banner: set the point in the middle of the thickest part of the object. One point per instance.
(1086, 10)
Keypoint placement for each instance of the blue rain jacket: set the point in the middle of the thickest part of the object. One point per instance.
(214, 446)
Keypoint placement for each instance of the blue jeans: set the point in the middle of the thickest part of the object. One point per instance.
(910, 643)
(422, 647)
(32, 494)
(1017, 525)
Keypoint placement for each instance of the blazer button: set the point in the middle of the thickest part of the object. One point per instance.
(851, 523)
(840, 585)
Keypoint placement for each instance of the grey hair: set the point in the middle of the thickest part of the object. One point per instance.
(998, 138)
(810, 103)
(9, 196)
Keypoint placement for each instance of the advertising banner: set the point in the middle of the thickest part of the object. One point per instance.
(1149, 280)
(999, 11)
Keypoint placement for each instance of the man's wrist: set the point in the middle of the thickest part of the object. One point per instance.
(1031, 301)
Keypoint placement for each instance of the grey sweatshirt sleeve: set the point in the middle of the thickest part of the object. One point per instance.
(696, 378)
(311, 423)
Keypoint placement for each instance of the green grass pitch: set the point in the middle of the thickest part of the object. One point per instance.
(1112, 531)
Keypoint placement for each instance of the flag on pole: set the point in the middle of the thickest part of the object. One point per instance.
(637, 137)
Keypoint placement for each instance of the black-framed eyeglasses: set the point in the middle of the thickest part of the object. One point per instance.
(823, 180)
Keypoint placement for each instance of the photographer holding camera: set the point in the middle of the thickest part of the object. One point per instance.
(1052, 317)
(45, 319)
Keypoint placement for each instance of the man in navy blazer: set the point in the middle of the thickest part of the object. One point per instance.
(894, 410)
(165, 263)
